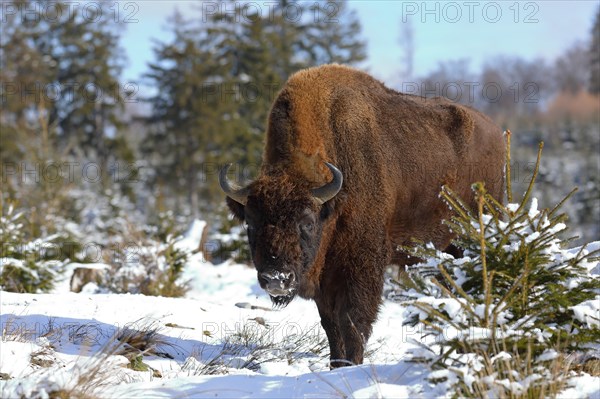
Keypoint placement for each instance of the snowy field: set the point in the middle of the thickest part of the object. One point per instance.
(223, 339)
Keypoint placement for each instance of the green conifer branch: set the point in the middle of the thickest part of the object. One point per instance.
(529, 191)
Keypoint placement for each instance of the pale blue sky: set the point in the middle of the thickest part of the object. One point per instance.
(477, 30)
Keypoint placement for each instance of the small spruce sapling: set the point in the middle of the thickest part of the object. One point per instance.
(516, 300)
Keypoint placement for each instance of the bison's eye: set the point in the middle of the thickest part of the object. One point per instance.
(307, 227)
(306, 224)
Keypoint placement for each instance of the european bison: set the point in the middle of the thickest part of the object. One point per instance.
(351, 170)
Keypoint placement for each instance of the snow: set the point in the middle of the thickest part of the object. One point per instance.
(192, 237)
(580, 386)
(588, 312)
(533, 210)
(501, 356)
(512, 207)
(548, 354)
(531, 237)
(11, 361)
(11, 262)
(383, 391)
(224, 339)
(224, 303)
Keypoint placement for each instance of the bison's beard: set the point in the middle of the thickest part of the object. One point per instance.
(283, 300)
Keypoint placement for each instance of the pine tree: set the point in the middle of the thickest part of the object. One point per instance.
(187, 111)
(216, 82)
(503, 316)
(24, 70)
(333, 34)
(63, 77)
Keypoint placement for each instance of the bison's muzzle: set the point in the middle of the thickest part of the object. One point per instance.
(278, 284)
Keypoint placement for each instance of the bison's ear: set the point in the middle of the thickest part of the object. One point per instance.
(236, 208)
(334, 206)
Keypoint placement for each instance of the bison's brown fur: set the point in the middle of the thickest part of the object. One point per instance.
(395, 152)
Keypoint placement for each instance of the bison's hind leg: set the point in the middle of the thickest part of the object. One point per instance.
(454, 251)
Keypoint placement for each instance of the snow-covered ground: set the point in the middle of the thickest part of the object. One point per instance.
(226, 321)
(223, 339)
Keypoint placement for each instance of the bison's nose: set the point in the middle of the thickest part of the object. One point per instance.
(277, 283)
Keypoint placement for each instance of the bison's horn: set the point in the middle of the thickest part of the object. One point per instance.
(232, 190)
(329, 190)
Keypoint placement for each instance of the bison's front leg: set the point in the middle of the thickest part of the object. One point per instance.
(349, 297)
(331, 325)
(358, 315)
(361, 297)
(347, 313)
(348, 322)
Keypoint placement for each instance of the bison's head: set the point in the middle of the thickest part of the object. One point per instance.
(285, 219)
